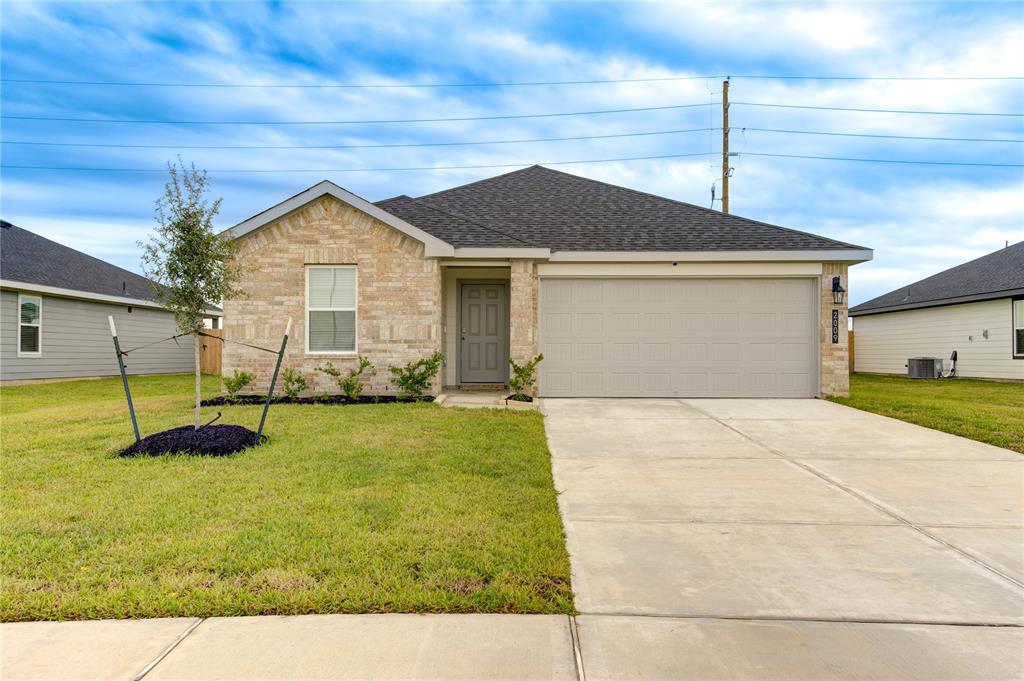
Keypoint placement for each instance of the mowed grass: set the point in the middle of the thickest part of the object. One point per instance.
(987, 411)
(375, 508)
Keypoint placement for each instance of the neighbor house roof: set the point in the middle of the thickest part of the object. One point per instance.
(29, 261)
(996, 275)
(537, 212)
(544, 208)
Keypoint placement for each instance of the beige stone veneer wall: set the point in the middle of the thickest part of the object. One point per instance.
(835, 366)
(523, 313)
(399, 294)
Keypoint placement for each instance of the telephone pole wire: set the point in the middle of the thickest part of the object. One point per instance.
(725, 145)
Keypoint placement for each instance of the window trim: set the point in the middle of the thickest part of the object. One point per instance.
(1015, 325)
(355, 310)
(38, 325)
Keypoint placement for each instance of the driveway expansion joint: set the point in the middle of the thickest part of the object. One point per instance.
(168, 650)
(920, 528)
(577, 649)
(790, 618)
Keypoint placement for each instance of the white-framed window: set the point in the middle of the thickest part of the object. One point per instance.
(1018, 328)
(30, 325)
(331, 309)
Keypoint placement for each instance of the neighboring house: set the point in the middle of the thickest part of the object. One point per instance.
(54, 305)
(976, 309)
(625, 293)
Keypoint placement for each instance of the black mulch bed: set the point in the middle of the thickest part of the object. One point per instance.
(315, 399)
(207, 441)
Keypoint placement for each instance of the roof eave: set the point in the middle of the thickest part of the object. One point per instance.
(940, 302)
(89, 295)
(851, 256)
(433, 247)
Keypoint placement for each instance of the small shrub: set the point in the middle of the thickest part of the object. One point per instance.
(234, 384)
(293, 383)
(413, 380)
(351, 385)
(523, 377)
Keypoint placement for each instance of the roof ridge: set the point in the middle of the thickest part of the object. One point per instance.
(693, 205)
(489, 228)
(470, 184)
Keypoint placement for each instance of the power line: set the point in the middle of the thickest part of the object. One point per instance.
(935, 78)
(356, 146)
(382, 86)
(890, 160)
(897, 137)
(896, 111)
(520, 165)
(609, 81)
(402, 145)
(397, 120)
(364, 170)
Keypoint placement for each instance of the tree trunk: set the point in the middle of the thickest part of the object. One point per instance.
(199, 396)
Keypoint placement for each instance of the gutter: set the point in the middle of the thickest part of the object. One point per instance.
(89, 295)
(940, 302)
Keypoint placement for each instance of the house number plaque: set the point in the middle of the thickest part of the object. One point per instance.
(835, 326)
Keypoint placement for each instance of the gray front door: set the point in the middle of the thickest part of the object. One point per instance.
(483, 348)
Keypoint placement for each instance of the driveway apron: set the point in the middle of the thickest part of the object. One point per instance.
(786, 539)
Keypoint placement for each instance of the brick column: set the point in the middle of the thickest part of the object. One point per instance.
(835, 366)
(523, 310)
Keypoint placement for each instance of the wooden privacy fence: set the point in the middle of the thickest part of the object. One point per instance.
(210, 350)
(851, 351)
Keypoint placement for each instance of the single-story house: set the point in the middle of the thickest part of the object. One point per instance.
(975, 309)
(625, 293)
(54, 303)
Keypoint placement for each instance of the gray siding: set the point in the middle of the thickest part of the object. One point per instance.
(886, 340)
(76, 340)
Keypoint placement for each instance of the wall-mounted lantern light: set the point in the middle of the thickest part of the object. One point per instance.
(837, 291)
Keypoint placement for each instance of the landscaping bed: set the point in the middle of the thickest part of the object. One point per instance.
(987, 411)
(385, 508)
(206, 441)
(224, 400)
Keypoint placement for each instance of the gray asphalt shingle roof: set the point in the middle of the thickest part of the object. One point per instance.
(545, 208)
(996, 275)
(448, 227)
(29, 258)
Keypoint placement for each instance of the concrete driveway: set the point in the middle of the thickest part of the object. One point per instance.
(787, 539)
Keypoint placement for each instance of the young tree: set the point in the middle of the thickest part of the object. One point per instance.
(192, 266)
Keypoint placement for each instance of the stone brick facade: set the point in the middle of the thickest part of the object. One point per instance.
(835, 366)
(399, 294)
(523, 320)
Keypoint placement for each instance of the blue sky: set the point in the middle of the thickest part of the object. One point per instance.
(919, 219)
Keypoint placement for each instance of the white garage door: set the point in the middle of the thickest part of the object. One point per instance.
(678, 338)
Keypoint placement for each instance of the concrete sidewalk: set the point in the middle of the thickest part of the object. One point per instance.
(413, 647)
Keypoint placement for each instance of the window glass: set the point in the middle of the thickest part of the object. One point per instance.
(332, 331)
(331, 309)
(332, 287)
(29, 310)
(28, 323)
(1018, 327)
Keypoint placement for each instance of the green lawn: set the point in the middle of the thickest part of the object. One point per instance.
(987, 411)
(373, 508)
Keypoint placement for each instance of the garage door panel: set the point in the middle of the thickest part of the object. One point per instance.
(678, 337)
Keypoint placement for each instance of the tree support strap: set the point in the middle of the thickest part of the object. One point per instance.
(229, 340)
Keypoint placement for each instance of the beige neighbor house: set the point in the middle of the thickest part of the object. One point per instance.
(975, 309)
(627, 294)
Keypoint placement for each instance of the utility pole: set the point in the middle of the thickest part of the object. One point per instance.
(725, 146)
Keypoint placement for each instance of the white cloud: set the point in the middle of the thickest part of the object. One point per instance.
(919, 220)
